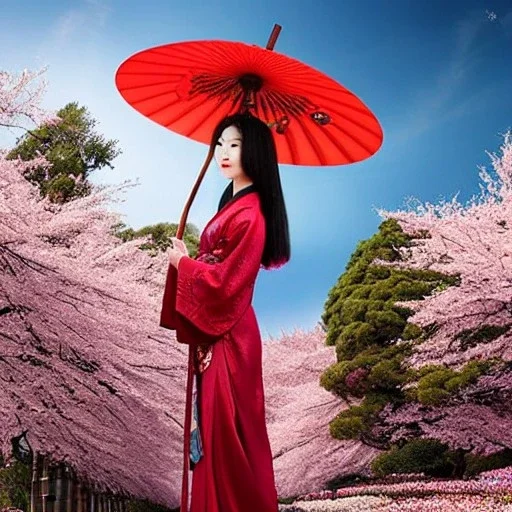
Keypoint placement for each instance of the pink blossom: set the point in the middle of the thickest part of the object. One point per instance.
(20, 97)
(298, 413)
(495, 483)
(473, 241)
(355, 377)
(479, 420)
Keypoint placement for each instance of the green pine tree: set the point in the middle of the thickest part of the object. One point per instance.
(364, 324)
(73, 147)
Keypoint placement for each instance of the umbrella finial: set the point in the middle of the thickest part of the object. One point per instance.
(273, 36)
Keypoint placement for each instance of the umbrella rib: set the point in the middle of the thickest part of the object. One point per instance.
(292, 146)
(362, 110)
(201, 52)
(336, 143)
(166, 93)
(191, 132)
(291, 143)
(229, 52)
(359, 124)
(356, 140)
(133, 87)
(312, 142)
(359, 109)
(271, 107)
(265, 106)
(284, 104)
(303, 86)
(186, 112)
(238, 97)
(152, 62)
(160, 109)
(185, 54)
(145, 73)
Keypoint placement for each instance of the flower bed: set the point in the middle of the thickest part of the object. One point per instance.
(491, 491)
(491, 482)
(452, 503)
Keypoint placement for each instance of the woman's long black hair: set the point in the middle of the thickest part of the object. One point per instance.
(259, 162)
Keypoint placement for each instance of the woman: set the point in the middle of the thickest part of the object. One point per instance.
(207, 301)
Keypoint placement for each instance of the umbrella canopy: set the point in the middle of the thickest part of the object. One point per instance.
(189, 87)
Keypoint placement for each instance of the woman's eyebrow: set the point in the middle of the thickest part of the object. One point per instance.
(236, 138)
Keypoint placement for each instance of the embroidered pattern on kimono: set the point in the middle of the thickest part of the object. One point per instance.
(202, 358)
(203, 353)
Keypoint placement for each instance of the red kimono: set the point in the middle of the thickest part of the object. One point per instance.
(208, 302)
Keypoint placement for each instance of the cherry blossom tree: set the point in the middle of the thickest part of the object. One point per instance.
(479, 420)
(298, 413)
(469, 321)
(20, 98)
(84, 366)
(474, 242)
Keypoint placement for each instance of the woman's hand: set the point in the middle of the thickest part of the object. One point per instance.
(177, 251)
(179, 245)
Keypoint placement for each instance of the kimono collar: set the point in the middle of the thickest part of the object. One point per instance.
(228, 197)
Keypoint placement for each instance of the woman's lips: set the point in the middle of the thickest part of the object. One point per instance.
(226, 165)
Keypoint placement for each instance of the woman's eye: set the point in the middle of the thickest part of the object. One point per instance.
(219, 144)
(234, 145)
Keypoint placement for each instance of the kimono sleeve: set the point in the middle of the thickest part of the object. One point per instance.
(186, 332)
(214, 296)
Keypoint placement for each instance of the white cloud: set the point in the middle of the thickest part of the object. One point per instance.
(83, 20)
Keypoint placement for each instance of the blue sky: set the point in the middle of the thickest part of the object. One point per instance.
(437, 75)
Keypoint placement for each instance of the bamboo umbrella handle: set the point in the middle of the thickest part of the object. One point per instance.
(184, 215)
(190, 370)
(186, 439)
(273, 36)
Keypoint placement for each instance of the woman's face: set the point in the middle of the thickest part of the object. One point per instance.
(228, 153)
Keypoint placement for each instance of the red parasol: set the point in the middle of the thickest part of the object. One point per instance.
(189, 87)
